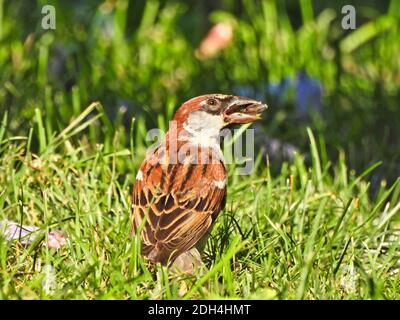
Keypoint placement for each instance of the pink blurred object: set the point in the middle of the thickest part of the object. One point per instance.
(12, 230)
(218, 38)
(56, 240)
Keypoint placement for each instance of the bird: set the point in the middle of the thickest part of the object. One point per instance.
(181, 186)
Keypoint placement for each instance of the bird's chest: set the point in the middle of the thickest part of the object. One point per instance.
(202, 168)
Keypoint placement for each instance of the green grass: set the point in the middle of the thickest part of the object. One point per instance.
(297, 235)
(323, 226)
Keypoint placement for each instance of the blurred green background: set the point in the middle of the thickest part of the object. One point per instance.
(138, 58)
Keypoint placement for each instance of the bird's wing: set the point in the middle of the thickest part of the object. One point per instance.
(180, 201)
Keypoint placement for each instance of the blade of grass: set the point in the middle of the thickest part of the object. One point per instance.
(3, 126)
(78, 119)
(315, 159)
(309, 254)
(233, 248)
(41, 130)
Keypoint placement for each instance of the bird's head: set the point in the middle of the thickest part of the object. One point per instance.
(217, 111)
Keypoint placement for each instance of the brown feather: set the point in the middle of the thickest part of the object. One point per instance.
(181, 201)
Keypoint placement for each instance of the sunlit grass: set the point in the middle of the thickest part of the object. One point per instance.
(307, 233)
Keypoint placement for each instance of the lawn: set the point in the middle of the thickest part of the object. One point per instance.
(76, 103)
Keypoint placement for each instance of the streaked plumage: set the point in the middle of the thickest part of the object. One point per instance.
(181, 198)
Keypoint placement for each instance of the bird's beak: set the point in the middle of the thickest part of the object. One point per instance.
(243, 110)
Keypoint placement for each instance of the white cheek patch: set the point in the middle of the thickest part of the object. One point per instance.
(202, 121)
(139, 175)
(220, 184)
(204, 130)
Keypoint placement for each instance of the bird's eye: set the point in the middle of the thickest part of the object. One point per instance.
(212, 105)
(212, 102)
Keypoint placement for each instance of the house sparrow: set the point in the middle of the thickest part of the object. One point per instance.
(181, 185)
